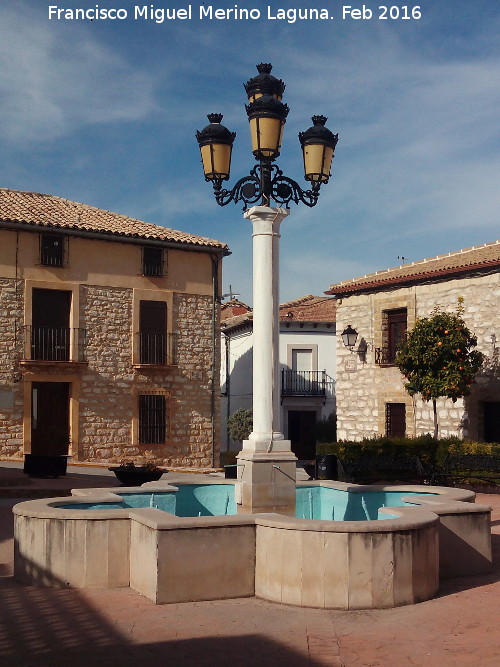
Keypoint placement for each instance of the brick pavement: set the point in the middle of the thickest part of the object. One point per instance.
(45, 627)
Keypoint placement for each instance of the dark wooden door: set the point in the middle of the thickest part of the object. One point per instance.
(492, 421)
(395, 420)
(153, 332)
(50, 418)
(50, 333)
(302, 433)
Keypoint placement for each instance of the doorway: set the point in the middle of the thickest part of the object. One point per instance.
(50, 418)
(302, 433)
(492, 421)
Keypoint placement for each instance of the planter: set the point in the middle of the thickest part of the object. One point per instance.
(326, 466)
(136, 476)
(231, 472)
(39, 465)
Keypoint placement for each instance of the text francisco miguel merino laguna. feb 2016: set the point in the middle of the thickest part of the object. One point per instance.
(233, 13)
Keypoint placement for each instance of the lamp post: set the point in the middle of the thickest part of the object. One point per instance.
(267, 464)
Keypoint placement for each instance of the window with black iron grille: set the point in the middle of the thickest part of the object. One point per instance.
(152, 419)
(395, 420)
(51, 250)
(152, 261)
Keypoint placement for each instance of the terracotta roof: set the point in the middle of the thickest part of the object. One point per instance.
(37, 209)
(232, 308)
(470, 260)
(308, 308)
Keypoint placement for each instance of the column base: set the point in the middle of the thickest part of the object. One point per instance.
(267, 480)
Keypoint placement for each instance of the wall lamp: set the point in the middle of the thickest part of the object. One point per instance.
(349, 338)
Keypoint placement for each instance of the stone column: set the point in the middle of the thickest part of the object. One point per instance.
(266, 463)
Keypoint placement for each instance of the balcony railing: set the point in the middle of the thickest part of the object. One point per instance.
(385, 356)
(303, 383)
(157, 349)
(54, 343)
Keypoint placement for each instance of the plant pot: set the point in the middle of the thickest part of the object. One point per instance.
(326, 466)
(136, 476)
(231, 472)
(40, 465)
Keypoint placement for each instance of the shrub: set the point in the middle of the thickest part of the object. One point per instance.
(239, 424)
(429, 451)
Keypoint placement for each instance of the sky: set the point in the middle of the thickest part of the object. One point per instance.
(105, 112)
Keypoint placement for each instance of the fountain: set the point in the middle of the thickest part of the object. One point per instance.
(200, 546)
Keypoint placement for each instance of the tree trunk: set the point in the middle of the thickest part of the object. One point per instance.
(436, 426)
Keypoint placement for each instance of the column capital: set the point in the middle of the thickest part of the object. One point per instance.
(266, 213)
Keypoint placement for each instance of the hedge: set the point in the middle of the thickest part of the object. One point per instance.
(429, 451)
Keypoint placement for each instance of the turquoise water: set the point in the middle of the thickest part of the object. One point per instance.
(189, 500)
(319, 502)
(313, 502)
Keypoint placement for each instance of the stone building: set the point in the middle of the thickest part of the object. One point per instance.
(307, 360)
(371, 398)
(110, 343)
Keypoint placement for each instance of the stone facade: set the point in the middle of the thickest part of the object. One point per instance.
(102, 369)
(365, 385)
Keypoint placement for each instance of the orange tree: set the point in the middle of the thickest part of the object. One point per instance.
(437, 358)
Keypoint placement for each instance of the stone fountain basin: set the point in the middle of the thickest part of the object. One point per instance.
(310, 563)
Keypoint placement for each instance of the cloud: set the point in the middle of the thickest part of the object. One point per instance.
(56, 78)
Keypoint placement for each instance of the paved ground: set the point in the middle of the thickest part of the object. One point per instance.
(92, 628)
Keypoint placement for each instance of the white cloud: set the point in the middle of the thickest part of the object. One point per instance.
(55, 78)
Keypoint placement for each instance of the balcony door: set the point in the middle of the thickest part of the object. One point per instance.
(50, 332)
(153, 332)
(50, 418)
(302, 365)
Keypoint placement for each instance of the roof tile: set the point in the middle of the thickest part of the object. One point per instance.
(469, 259)
(43, 210)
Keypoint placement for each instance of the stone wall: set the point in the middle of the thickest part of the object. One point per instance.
(106, 389)
(363, 388)
(11, 350)
(110, 386)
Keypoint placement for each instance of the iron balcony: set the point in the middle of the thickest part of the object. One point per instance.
(303, 383)
(45, 343)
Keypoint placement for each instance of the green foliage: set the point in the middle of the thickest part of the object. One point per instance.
(429, 450)
(326, 428)
(437, 357)
(239, 424)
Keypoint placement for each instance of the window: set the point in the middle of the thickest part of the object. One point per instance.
(51, 250)
(396, 329)
(50, 332)
(152, 419)
(395, 420)
(153, 332)
(152, 261)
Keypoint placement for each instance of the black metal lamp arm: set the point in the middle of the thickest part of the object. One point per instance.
(266, 182)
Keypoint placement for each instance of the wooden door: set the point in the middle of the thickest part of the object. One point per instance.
(50, 418)
(302, 433)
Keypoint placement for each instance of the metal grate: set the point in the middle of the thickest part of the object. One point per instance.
(152, 261)
(303, 383)
(157, 349)
(55, 343)
(152, 419)
(51, 250)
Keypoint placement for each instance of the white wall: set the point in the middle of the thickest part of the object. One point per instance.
(239, 347)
